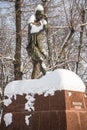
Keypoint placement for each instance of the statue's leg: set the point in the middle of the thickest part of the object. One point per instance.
(38, 57)
(35, 71)
(42, 67)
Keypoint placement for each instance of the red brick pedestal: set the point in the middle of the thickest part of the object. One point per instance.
(65, 110)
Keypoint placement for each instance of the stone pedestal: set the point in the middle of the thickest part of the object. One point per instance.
(65, 110)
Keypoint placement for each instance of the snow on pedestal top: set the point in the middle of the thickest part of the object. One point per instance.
(60, 79)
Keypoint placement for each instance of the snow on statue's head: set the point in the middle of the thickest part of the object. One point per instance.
(39, 12)
(39, 7)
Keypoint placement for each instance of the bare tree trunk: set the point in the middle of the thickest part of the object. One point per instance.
(17, 62)
(47, 35)
(81, 40)
(66, 41)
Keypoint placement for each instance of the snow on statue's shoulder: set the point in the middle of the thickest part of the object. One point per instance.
(60, 79)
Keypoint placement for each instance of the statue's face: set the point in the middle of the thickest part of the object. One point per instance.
(39, 15)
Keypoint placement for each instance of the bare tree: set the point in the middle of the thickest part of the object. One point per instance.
(17, 62)
(81, 38)
(66, 37)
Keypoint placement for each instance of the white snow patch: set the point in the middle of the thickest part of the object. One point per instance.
(35, 28)
(8, 119)
(45, 52)
(7, 102)
(30, 103)
(32, 19)
(69, 94)
(43, 65)
(27, 119)
(39, 7)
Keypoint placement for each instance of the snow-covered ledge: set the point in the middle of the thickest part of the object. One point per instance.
(60, 79)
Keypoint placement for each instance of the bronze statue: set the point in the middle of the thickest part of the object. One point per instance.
(37, 24)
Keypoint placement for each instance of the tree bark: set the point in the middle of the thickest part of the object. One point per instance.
(17, 62)
(81, 40)
(66, 41)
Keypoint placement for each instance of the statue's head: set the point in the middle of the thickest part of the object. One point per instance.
(39, 12)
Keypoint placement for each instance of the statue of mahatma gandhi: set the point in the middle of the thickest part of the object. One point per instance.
(37, 24)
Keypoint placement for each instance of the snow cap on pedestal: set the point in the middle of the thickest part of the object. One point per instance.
(60, 79)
